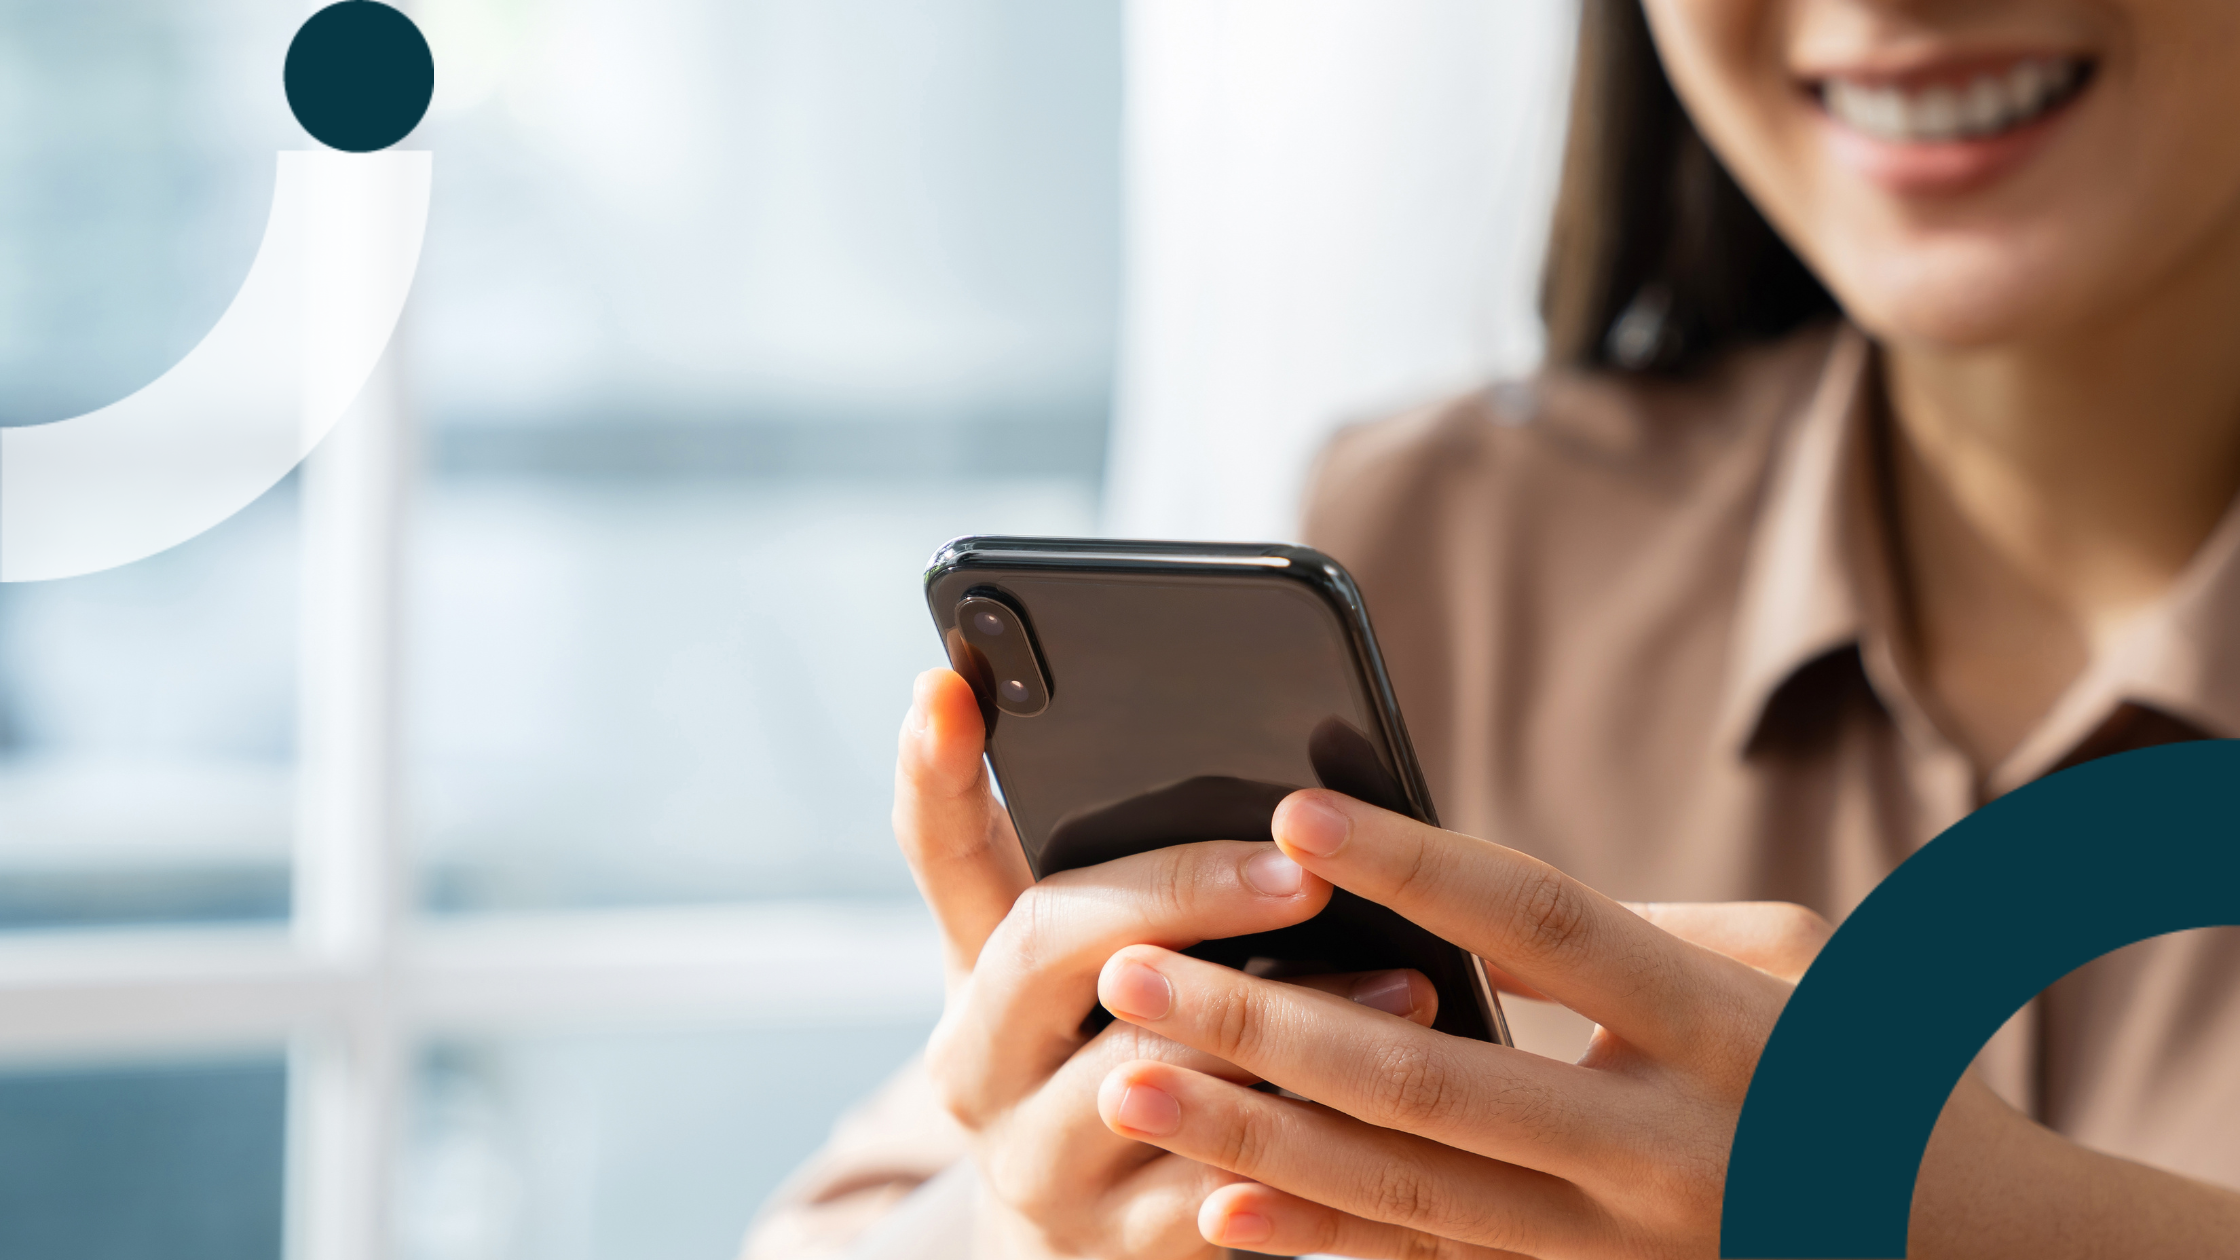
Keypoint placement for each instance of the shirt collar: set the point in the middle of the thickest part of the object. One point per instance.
(2181, 657)
(1798, 602)
(1819, 578)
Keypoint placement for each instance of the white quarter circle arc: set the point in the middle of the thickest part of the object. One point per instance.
(284, 362)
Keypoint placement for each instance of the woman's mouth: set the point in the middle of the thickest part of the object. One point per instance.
(1947, 129)
(1986, 104)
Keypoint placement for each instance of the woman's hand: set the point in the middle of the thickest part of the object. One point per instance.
(1009, 1056)
(1420, 1144)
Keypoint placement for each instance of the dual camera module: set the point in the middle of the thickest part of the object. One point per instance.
(1004, 663)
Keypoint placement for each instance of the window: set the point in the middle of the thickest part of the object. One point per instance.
(443, 857)
(488, 816)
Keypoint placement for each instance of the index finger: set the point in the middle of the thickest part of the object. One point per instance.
(1521, 914)
(962, 851)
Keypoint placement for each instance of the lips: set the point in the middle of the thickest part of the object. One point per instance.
(1985, 104)
(1951, 128)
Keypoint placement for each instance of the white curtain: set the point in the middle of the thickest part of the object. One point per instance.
(1335, 208)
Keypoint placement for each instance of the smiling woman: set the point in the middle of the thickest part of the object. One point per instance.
(1885, 460)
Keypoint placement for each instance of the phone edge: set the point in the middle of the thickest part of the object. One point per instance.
(1304, 565)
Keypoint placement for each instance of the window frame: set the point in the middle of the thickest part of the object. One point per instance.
(358, 978)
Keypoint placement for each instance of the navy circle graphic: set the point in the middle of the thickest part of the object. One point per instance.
(359, 76)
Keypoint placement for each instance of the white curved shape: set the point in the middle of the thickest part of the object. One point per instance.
(230, 419)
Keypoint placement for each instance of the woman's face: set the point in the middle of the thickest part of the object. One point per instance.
(1972, 172)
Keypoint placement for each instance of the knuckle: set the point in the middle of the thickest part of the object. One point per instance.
(957, 1104)
(1532, 1112)
(1553, 914)
(1023, 937)
(1406, 1191)
(946, 1068)
(1239, 1022)
(1245, 1144)
(1422, 876)
(960, 1103)
(1171, 884)
(1400, 1194)
(1415, 1089)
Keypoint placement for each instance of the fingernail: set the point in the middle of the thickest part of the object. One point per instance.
(1138, 992)
(1387, 991)
(1241, 1228)
(1272, 874)
(1310, 826)
(1146, 1109)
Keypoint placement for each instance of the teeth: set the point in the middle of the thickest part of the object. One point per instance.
(1989, 104)
(2028, 81)
(1935, 114)
(1984, 109)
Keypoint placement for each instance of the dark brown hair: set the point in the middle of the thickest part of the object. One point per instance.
(1657, 261)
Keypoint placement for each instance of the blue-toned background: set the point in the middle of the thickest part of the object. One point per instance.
(729, 312)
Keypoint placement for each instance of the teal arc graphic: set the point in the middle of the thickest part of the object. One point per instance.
(1958, 938)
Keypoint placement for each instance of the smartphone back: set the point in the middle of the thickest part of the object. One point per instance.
(1147, 694)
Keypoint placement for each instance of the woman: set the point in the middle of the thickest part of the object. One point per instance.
(1752, 593)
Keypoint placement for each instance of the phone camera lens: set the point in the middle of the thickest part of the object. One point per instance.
(987, 623)
(1014, 691)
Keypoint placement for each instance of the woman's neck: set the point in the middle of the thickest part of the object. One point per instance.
(2048, 492)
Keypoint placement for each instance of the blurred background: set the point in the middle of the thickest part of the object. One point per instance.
(478, 848)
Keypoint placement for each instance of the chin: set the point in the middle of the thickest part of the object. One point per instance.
(1944, 320)
(1956, 296)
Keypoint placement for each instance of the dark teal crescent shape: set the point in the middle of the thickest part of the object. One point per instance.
(2009, 900)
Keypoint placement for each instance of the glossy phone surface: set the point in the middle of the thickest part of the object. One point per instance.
(1146, 694)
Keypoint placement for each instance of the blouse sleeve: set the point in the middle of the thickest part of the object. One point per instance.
(879, 1156)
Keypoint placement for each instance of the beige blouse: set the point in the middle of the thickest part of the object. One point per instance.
(1646, 630)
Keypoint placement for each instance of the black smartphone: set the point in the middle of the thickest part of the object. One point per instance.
(1144, 694)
